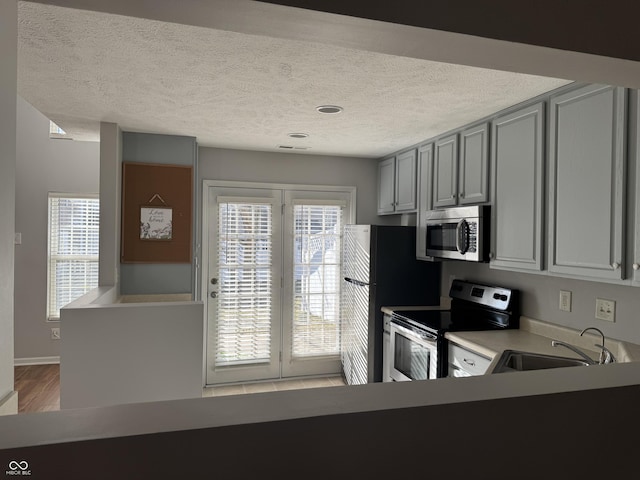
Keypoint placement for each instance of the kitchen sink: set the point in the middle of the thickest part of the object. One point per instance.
(518, 361)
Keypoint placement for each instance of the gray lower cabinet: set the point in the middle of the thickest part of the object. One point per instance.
(587, 183)
(425, 170)
(461, 168)
(397, 184)
(517, 166)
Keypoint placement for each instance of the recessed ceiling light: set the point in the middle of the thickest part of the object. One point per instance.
(331, 109)
(298, 135)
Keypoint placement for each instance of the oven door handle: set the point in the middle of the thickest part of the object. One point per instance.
(462, 236)
(421, 335)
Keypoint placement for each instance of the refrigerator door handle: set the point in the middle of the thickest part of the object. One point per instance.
(356, 282)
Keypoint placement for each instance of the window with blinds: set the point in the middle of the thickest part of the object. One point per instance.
(74, 226)
(316, 269)
(244, 296)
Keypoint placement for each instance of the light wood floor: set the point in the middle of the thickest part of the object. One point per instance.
(38, 387)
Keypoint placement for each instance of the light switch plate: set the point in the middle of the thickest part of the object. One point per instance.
(605, 309)
(565, 301)
(55, 333)
(17, 239)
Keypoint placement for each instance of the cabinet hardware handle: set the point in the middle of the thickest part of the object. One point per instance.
(469, 362)
(462, 195)
(615, 265)
(452, 197)
(636, 266)
(491, 255)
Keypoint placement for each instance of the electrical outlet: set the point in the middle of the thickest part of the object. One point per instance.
(606, 310)
(565, 301)
(55, 333)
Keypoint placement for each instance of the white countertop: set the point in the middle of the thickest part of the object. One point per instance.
(536, 336)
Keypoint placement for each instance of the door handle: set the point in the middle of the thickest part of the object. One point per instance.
(462, 236)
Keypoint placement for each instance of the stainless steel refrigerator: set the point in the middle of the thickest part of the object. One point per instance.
(379, 268)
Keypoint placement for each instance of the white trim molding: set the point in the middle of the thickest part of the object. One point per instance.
(21, 362)
(9, 404)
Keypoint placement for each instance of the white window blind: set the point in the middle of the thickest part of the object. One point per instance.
(244, 297)
(74, 226)
(316, 269)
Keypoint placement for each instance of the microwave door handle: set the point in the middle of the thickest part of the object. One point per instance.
(462, 236)
(459, 227)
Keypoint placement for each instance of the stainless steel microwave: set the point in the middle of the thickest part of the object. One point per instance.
(459, 233)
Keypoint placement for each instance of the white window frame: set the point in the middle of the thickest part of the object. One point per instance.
(51, 257)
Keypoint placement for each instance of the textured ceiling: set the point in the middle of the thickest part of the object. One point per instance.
(233, 90)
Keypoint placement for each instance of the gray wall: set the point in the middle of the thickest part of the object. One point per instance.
(43, 165)
(251, 166)
(139, 278)
(110, 191)
(8, 53)
(540, 298)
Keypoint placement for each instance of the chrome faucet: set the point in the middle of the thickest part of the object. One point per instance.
(587, 358)
(605, 354)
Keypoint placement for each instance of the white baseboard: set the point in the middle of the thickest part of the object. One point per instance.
(21, 362)
(9, 404)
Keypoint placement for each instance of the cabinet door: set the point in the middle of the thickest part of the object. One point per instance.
(386, 185)
(473, 169)
(517, 169)
(445, 172)
(405, 185)
(586, 182)
(425, 168)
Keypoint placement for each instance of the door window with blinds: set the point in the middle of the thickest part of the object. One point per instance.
(273, 281)
(244, 295)
(74, 226)
(317, 231)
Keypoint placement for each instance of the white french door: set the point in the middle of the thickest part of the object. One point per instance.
(272, 281)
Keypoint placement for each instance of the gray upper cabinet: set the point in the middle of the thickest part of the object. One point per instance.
(445, 172)
(473, 175)
(397, 184)
(425, 169)
(587, 183)
(386, 185)
(461, 177)
(406, 181)
(517, 169)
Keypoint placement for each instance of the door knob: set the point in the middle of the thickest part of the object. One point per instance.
(213, 294)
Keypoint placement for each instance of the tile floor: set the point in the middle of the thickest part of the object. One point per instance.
(259, 387)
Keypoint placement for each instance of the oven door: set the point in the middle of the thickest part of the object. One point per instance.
(412, 355)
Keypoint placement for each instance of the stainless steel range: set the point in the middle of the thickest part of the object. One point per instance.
(418, 348)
